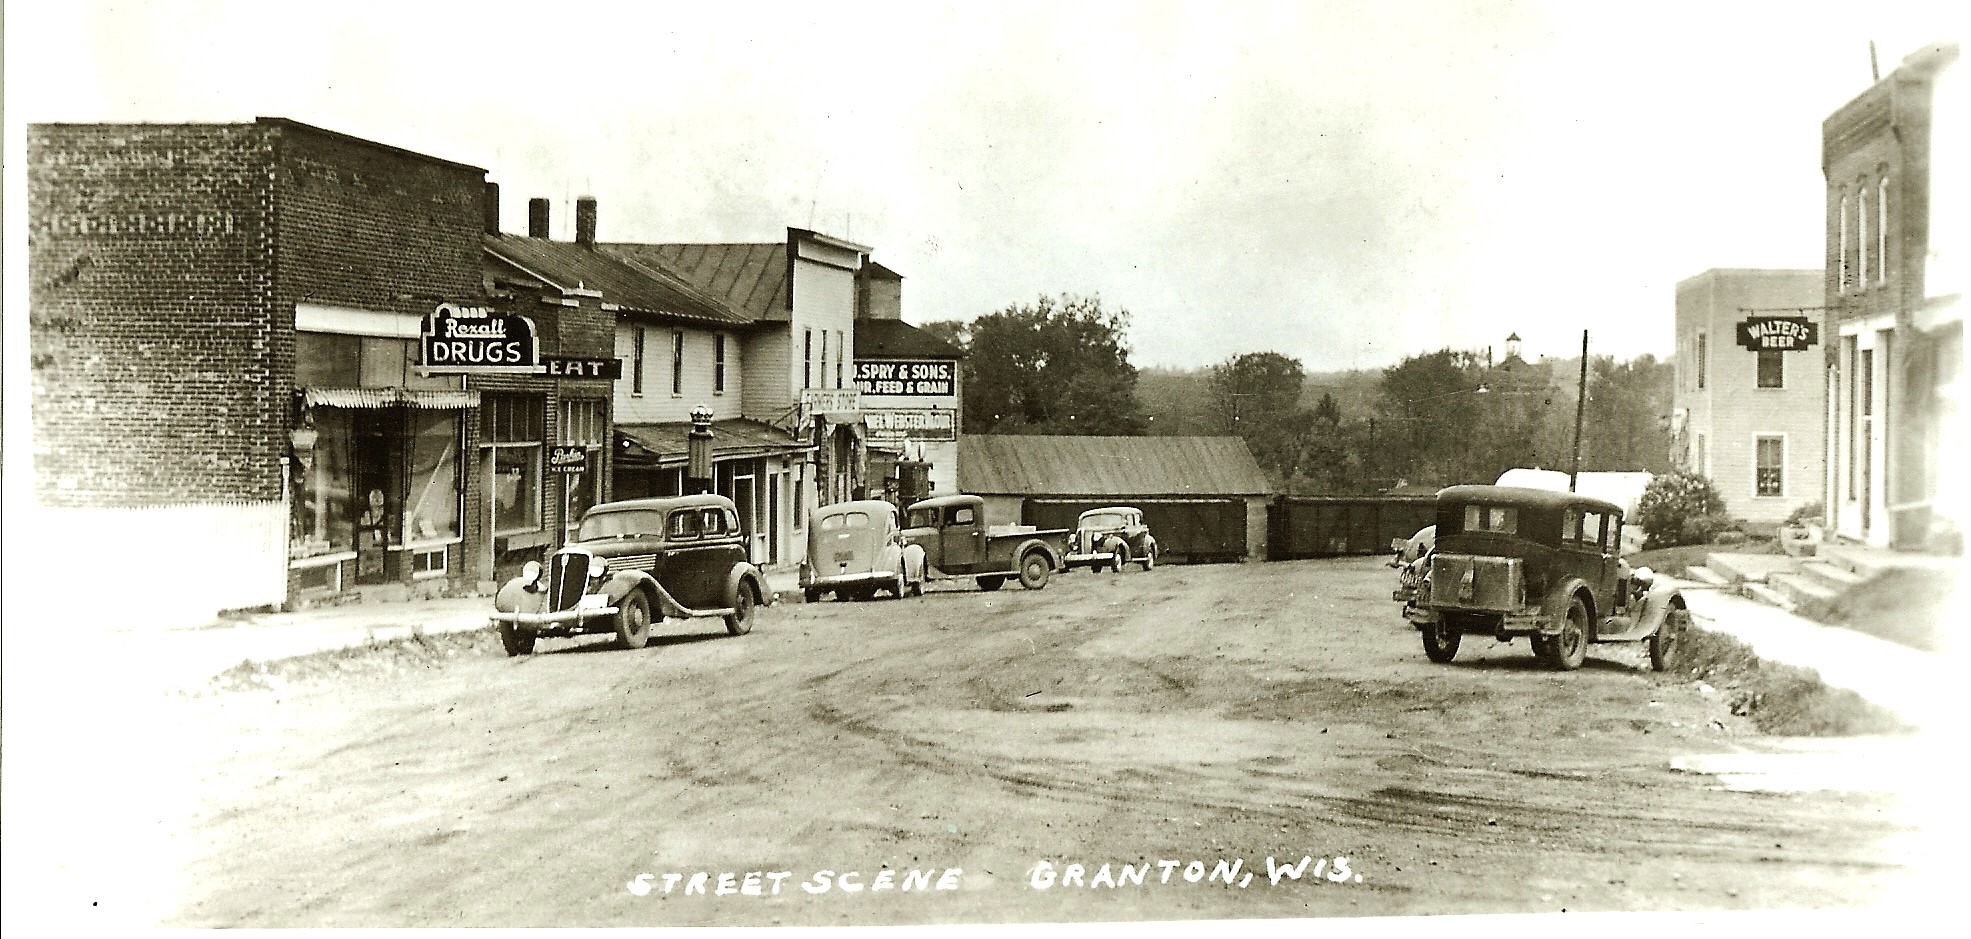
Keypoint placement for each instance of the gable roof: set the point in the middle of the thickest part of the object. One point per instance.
(991, 464)
(751, 279)
(568, 266)
(878, 338)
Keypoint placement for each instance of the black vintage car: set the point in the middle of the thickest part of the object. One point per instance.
(677, 557)
(1546, 565)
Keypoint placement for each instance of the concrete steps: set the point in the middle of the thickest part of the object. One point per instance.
(1767, 595)
(1707, 577)
(1807, 596)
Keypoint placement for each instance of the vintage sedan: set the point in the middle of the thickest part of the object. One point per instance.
(856, 549)
(1546, 565)
(632, 563)
(1411, 562)
(1111, 537)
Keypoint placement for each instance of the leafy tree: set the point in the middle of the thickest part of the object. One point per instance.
(1258, 398)
(1054, 366)
(1628, 405)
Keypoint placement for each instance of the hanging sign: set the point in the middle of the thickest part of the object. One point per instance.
(474, 340)
(1778, 333)
(565, 458)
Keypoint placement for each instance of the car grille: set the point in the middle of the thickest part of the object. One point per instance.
(568, 580)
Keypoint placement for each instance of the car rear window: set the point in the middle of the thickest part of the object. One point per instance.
(845, 520)
(620, 524)
(1503, 519)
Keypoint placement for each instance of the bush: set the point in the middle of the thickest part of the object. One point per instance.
(1681, 508)
(1809, 514)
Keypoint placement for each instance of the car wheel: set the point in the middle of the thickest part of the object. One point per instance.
(515, 640)
(896, 586)
(990, 584)
(1441, 639)
(1034, 570)
(811, 595)
(633, 621)
(917, 589)
(1121, 557)
(1567, 650)
(1150, 559)
(739, 622)
(1663, 643)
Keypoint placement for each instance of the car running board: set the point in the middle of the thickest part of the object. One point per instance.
(671, 607)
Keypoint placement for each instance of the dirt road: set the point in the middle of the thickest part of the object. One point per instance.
(1216, 715)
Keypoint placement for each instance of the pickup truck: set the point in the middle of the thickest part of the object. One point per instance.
(957, 542)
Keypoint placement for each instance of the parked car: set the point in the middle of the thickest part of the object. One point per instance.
(856, 549)
(1111, 537)
(1410, 562)
(1546, 565)
(632, 563)
(957, 542)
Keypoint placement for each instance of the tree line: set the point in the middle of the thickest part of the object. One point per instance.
(1060, 365)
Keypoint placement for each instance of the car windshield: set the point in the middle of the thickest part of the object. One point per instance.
(621, 525)
(845, 520)
(1103, 520)
(924, 518)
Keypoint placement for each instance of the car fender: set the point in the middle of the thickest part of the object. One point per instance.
(1656, 607)
(1555, 606)
(1110, 543)
(620, 583)
(913, 563)
(1032, 544)
(514, 597)
(745, 576)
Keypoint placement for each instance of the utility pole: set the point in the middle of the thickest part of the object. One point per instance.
(1580, 411)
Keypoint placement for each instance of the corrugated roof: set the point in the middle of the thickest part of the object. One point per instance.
(884, 337)
(990, 464)
(631, 287)
(428, 399)
(749, 278)
(666, 444)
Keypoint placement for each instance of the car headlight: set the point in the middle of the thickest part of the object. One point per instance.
(598, 567)
(530, 574)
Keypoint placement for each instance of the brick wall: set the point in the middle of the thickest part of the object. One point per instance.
(151, 314)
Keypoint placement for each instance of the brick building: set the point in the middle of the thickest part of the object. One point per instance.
(226, 324)
(1895, 346)
(1747, 415)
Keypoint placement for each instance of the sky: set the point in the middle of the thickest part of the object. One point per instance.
(1343, 183)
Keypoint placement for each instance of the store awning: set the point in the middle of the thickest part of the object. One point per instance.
(648, 445)
(389, 398)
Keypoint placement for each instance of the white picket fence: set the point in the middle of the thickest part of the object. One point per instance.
(163, 566)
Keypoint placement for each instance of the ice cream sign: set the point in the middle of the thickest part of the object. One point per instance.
(473, 340)
(1778, 333)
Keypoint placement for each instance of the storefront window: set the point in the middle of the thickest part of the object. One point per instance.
(323, 511)
(512, 431)
(584, 423)
(434, 492)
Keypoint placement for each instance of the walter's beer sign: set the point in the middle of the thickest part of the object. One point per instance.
(473, 340)
(1778, 333)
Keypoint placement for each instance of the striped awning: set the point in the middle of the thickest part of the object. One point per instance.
(389, 398)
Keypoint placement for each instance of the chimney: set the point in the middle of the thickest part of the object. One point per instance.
(490, 208)
(537, 218)
(585, 221)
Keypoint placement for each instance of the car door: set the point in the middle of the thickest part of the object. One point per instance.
(962, 537)
(1580, 554)
(703, 567)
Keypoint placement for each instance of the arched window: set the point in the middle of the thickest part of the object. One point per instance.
(1841, 251)
(1861, 236)
(1882, 231)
